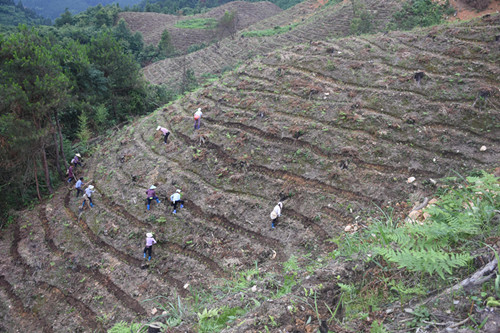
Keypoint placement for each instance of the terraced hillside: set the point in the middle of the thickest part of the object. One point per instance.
(152, 25)
(332, 129)
(308, 23)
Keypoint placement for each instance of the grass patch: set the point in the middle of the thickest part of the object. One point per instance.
(197, 23)
(269, 32)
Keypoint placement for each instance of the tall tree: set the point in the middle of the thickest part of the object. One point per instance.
(32, 85)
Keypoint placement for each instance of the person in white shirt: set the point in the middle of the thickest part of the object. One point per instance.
(88, 195)
(197, 118)
(275, 214)
(176, 198)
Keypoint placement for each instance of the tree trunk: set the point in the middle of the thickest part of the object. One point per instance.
(46, 170)
(60, 140)
(36, 180)
(58, 165)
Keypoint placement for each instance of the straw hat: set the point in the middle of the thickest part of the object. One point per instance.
(152, 187)
(280, 204)
(158, 128)
(91, 187)
(78, 155)
(178, 191)
(274, 215)
(149, 235)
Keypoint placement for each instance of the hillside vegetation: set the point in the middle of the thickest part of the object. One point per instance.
(307, 21)
(337, 130)
(152, 25)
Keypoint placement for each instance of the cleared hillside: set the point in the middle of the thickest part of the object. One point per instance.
(152, 25)
(333, 129)
(311, 22)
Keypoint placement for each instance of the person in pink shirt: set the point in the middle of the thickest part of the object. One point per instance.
(149, 245)
(165, 133)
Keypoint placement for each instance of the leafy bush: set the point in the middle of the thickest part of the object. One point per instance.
(443, 241)
(419, 13)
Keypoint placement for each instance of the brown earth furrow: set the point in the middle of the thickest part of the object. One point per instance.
(442, 55)
(172, 246)
(448, 154)
(318, 151)
(88, 316)
(111, 249)
(94, 273)
(331, 81)
(288, 175)
(275, 244)
(95, 239)
(480, 137)
(21, 310)
(338, 215)
(308, 222)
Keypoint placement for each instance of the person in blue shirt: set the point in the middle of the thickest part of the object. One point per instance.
(78, 186)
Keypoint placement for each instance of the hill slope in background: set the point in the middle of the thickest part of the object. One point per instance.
(152, 25)
(331, 128)
(310, 21)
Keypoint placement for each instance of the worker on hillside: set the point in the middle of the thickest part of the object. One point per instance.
(176, 198)
(76, 160)
(165, 133)
(71, 175)
(152, 195)
(149, 245)
(197, 118)
(88, 195)
(78, 186)
(275, 214)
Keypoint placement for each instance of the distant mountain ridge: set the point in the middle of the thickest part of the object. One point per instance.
(54, 8)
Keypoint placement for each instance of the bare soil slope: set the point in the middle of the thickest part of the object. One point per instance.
(329, 128)
(152, 25)
(313, 23)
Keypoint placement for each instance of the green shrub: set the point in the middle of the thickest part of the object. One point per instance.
(419, 13)
(197, 23)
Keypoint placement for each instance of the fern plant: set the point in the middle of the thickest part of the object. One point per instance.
(442, 242)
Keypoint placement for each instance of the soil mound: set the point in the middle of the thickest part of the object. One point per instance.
(331, 129)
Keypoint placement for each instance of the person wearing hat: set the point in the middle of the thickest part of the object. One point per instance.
(78, 186)
(152, 195)
(88, 195)
(176, 198)
(149, 245)
(275, 214)
(197, 118)
(76, 160)
(165, 133)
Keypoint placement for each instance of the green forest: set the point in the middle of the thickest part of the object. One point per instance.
(60, 86)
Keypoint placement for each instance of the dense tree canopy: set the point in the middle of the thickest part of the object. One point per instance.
(57, 86)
